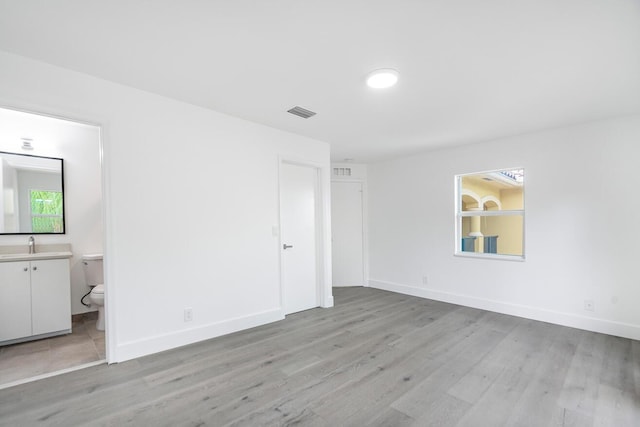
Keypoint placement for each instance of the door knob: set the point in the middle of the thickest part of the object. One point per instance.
(285, 246)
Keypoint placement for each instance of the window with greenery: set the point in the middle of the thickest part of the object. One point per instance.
(490, 214)
(46, 211)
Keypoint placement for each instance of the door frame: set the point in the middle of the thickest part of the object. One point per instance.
(324, 296)
(102, 123)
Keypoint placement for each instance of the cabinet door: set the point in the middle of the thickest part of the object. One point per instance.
(15, 300)
(50, 296)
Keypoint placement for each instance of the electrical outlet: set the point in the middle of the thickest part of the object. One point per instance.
(188, 314)
(425, 280)
(588, 305)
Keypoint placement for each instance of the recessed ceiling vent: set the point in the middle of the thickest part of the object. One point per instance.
(301, 112)
(27, 143)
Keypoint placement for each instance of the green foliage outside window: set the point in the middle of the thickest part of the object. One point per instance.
(46, 211)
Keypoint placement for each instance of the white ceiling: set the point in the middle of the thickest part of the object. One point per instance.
(469, 70)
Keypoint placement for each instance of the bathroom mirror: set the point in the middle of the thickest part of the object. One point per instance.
(32, 196)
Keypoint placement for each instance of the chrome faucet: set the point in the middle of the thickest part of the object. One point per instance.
(32, 245)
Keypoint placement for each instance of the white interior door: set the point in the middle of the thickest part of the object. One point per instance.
(346, 234)
(298, 237)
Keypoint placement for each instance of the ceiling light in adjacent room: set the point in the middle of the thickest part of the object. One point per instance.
(382, 79)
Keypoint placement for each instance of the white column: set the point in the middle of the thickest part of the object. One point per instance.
(476, 230)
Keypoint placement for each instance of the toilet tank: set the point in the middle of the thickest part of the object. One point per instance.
(92, 266)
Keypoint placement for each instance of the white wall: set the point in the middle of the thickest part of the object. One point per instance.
(580, 228)
(191, 198)
(79, 146)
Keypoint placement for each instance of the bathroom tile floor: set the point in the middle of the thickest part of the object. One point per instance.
(83, 345)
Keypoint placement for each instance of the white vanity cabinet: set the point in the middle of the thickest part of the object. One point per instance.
(35, 299)
(15, 300)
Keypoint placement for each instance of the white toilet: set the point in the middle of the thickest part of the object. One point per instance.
(93, 274)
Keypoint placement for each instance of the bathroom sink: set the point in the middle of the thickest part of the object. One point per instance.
(36, 256)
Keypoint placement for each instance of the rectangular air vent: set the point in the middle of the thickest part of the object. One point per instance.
(342, 171)
(27, 144)
(301, 112)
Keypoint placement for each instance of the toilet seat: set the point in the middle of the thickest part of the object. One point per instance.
(98, 289)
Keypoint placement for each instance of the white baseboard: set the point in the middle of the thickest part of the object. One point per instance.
(133, 349)
(328, 303)
(610, 327)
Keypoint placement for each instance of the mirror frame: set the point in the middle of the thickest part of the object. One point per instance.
(64, 219)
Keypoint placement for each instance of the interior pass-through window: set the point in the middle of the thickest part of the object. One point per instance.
(490, 214)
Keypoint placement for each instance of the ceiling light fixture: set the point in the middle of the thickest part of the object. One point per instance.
(382, 78)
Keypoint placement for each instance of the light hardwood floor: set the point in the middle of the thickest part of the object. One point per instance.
(377, 358)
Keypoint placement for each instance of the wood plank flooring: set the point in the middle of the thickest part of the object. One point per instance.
(375, 359)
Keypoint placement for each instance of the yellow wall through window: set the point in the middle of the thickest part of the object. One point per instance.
(482, 192)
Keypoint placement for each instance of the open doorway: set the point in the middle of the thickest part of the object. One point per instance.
(72, 230)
